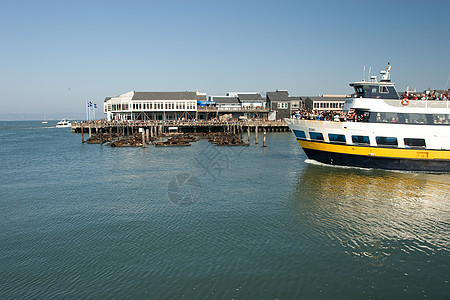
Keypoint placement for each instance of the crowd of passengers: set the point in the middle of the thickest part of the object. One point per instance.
(432, 95)
(328, 115)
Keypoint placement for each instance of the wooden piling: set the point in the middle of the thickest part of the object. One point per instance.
(147, 132)
(143, 138)
(82, 133)
(256, 135)
(264, 138)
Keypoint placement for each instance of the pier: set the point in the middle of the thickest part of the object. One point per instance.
(175, 133)
(161, 127)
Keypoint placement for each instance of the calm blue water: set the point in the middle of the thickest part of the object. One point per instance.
(202, 222)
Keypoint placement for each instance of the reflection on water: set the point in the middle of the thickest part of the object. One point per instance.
(374, 213)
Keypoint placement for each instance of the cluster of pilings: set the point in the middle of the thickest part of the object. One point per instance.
(140, 134)
(160, 127)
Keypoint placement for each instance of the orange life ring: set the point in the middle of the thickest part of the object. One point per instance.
(405, 101)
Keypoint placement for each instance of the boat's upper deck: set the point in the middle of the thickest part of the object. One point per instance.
(373, 89)
(381, 96)
(384, 89)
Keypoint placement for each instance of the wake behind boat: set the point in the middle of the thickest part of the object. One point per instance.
(63, 123)
(390, 133)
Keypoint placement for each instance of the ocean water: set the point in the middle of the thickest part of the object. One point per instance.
(203, 222)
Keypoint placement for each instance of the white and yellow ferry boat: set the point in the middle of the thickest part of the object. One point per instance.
(392, 133)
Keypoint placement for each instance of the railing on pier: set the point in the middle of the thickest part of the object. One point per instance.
(251, 123)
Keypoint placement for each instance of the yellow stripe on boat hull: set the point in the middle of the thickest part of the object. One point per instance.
(412, 153)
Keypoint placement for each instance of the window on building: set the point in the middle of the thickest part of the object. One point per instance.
(282, 105)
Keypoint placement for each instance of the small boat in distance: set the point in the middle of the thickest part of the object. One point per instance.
(63, 123)
(45, 121)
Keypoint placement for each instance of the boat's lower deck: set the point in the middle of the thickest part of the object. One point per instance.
(378, 158)
(394, 147)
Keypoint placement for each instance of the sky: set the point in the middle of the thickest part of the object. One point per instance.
(57, 55)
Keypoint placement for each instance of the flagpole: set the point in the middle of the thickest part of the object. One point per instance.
(87, 105)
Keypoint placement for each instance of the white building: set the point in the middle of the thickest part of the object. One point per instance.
(134, 106)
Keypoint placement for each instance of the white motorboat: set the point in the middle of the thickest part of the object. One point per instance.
(63, 123)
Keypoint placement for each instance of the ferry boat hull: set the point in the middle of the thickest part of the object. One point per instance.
(345, 153)
(371, 161)
(386, 132)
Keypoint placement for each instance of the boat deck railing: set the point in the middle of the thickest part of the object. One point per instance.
(420, 103)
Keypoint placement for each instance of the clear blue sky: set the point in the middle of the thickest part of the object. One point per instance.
(56, 55)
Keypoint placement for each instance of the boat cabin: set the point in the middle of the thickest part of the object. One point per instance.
(379, 90)
(373, 89)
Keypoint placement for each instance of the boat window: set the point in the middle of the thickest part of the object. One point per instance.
(384, 89)
(359, 91)
(336, 138)
(360, 139)
(386, 141)
(413, 143)
(417, 118)
(370, 91)
(383, 117)
(316, 136)
(300, 134)
(441, 119)
(362, 116)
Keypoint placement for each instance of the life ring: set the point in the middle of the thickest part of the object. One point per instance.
(405, 101)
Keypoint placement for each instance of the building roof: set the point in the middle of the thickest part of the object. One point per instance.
(250, 97)
(281, 96)
(295, 98)
(278, 96)
(168, 96)
(226, 100)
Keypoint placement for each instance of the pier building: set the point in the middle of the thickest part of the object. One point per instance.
(282, 105)
(190, 105)
(133, 106)
(325, 102)
(240, 105)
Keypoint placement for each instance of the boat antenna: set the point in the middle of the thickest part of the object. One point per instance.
(364, 73)
(370, 70)
(446, 85)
